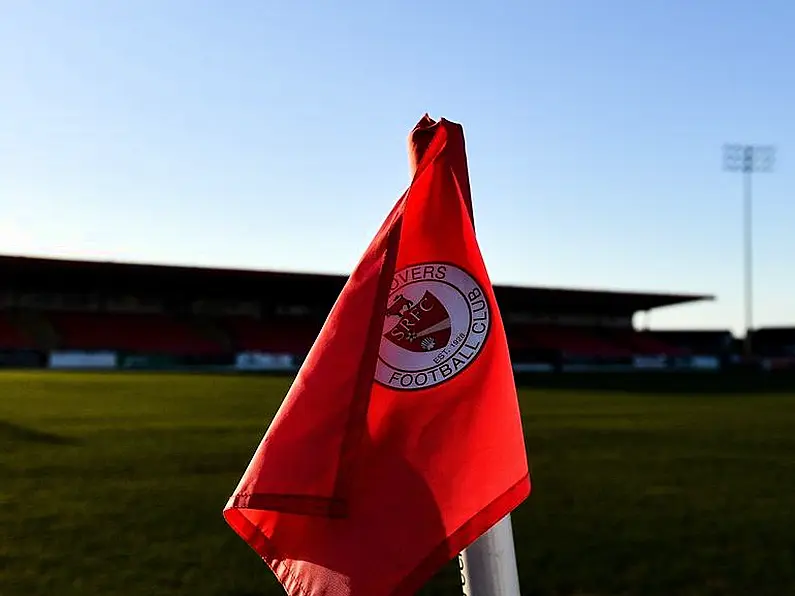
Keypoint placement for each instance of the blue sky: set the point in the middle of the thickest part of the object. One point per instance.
(271, 135)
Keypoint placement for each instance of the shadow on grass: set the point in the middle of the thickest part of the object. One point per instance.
(15, 433)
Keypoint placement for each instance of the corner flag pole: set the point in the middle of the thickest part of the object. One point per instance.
(488, 565)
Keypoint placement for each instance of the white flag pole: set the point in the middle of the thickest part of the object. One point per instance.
(488, 565)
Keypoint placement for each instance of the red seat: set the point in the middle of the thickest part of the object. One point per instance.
(276, 336)
(644, 344)
(12, 338)
(131, 332)
(695, 341)
(568, 340)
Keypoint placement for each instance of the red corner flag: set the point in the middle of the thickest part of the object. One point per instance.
(400, 441)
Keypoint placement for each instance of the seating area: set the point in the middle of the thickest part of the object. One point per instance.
(11, 337)
(588, 342)
(575, 342)
(643, 343)
(129, 332)
(774, 342)
(695, 342)
(161, 334)
(154, 333)
(280, 336)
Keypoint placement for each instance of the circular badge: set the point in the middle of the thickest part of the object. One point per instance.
(436, 324)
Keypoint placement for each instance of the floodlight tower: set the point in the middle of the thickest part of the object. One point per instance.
(748, 159)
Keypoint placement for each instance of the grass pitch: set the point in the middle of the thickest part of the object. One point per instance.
(114, 484)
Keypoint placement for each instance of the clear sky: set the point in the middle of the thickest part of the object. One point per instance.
(271, 135)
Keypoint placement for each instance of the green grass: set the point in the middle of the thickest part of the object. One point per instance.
(114, 484)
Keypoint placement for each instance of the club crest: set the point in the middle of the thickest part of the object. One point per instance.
(436, 323)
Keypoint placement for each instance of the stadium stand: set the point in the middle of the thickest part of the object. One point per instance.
(207, 315)
(774, 342)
